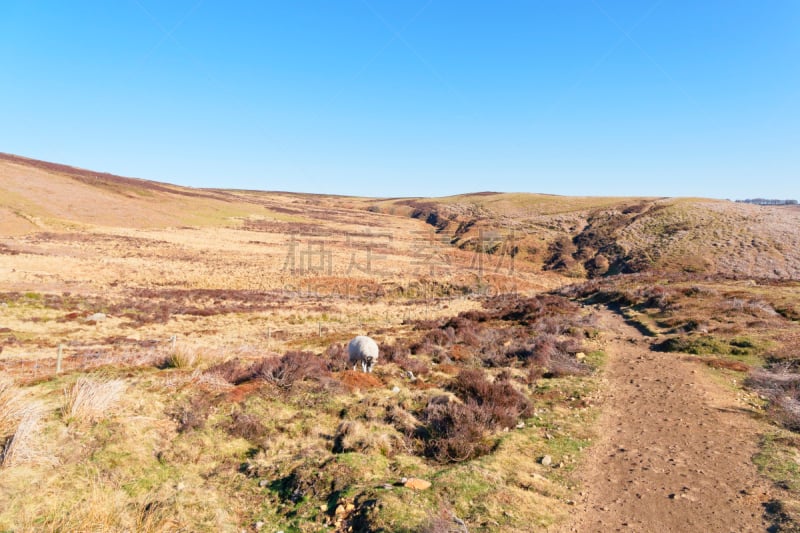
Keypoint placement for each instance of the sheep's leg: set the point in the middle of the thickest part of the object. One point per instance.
(363, 366)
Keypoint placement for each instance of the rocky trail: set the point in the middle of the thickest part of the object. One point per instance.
(675, 448)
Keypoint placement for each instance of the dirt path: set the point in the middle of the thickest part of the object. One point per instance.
(675, 449)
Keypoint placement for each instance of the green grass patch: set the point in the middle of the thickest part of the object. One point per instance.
(778, 460)
(711, 345)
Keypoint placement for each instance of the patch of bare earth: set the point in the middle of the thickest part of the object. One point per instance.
(674, 451)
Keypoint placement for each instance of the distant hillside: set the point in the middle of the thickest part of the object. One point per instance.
(576, 236)
(590, 237)
(39, 195)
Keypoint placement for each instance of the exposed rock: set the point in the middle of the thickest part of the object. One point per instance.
(546, 460)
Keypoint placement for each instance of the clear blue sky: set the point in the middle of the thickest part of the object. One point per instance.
(412, 97)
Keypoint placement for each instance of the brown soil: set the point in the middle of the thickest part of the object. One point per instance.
(355, 380)
(241, 392)
(675, 449)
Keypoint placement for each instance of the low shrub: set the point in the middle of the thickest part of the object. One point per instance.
(454, 431)
(337, 357)
(780, 384)
(283, 371)
(415, 366)
(246, 426)
(553, 357)
(292, 367)
(192, 413)
(232, 371)
(394, 352)
(503, 404)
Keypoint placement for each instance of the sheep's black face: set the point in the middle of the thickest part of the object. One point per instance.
(369, 362)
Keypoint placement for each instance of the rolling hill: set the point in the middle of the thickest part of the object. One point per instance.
(575, 236)
(209, 329)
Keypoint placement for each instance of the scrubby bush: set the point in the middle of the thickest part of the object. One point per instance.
(455, 432)
(417, 367)
(391, 352)
(503, 403)
(780, 384)
(337, 357)
(232, 371)
(246, 426)
(283, 371)
(460, 429)
(192, 413)
(292, 367)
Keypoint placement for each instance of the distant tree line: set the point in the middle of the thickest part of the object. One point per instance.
(764, 201)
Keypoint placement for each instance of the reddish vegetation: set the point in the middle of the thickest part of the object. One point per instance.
(727, 364)
(780, 384)
(147, 306)
(282, 371)
(453, 431)
(289, 228)
(103, 179)
(241, 392)
(541, 332)
(5, 250)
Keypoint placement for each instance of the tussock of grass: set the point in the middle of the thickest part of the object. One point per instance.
(89, 400)
(19, 426)
(12, 406)
(21, 446)
(184, 357)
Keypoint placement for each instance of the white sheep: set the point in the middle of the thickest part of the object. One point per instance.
(363, 350)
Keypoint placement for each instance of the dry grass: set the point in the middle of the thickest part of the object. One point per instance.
(185, 358)
(22, 446)
(89, 400)
(12, 406)
(254, 417)
(19, 426)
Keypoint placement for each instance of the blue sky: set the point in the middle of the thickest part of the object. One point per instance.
(412, 97)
